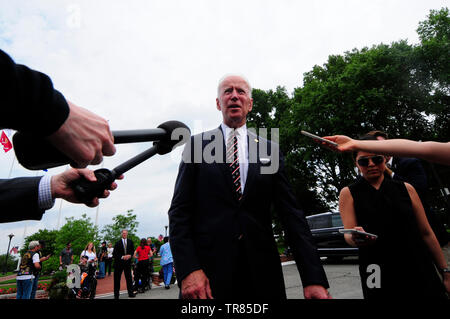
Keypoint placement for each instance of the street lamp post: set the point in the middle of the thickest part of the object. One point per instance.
(166, 229)
(7, 254)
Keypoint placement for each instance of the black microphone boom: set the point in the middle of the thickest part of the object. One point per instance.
(86, 191)
(36, 153)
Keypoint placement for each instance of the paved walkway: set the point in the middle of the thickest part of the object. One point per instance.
(105, 286)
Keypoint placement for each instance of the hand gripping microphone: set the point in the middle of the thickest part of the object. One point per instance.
(167, 136)
(177, 134)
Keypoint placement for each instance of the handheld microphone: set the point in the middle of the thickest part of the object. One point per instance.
(36, 153)
(86, 190)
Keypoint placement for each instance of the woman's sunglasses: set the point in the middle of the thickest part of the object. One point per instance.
(364, 161)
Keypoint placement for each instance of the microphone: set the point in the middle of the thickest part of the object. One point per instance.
(36, 153)
(86, 191)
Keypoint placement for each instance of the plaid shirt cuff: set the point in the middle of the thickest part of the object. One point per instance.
(45, 200)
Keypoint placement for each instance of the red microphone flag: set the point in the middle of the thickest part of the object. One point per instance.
(4, 140)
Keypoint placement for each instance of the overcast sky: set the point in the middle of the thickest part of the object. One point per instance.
(141, 63)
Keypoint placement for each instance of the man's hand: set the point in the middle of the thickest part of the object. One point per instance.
(61, 189)
(84, 137)
(316, 292)
(196, 286)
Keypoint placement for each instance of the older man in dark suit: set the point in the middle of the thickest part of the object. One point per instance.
(123, 251)
(220, 217)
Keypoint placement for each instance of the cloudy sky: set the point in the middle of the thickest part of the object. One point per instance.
(141, 63)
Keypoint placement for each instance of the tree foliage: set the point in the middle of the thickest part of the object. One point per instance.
(398, 88)
(112, 232)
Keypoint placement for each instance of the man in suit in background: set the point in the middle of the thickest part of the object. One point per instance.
(410, 170)
(123, 251)
(220, 217)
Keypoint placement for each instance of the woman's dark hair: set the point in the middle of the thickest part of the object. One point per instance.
(377, 133)
(366, 137)
(143, 242)
(166, 239)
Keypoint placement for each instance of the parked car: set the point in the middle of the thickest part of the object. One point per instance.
(330, 242)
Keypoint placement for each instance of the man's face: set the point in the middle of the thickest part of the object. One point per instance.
(234, 101)
(124, 234)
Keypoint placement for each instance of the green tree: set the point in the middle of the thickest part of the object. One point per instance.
(112, 232)
(45, 235)
(398, 88)
(434, 68)
(79, 232)
(12, 263)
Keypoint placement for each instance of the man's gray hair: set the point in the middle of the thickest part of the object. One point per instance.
(33, 244)
(230, 75)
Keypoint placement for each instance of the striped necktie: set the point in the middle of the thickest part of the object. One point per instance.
(233, 163)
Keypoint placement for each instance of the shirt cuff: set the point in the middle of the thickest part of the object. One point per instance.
(45, 200)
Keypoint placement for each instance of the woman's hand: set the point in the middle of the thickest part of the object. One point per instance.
(345, 143)
(362, 240)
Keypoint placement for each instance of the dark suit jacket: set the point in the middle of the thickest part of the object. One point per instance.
(119, 252)
(206, 218)
(19, 199)
(410, 170)
(29, 103)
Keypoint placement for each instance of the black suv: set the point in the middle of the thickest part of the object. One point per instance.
(325, 231)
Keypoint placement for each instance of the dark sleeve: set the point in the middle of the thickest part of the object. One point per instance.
(116, 251)
(298, 233)
(19, 199)
(181, 218)
(29, 101)
(412, 172)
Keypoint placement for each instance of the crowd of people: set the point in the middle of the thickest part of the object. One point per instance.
(94, 264)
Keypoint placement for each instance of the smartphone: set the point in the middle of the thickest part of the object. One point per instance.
(318, 138)
(354, 231)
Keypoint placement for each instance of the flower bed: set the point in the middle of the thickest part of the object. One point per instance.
(8, 290)
(13, 289)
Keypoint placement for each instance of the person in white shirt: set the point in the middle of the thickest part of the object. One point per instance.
(89, 251)
(109, 258)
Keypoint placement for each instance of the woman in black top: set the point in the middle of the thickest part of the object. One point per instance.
(399, 263)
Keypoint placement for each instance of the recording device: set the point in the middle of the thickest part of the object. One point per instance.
(167, 136)
(318, 138)
(359, 232)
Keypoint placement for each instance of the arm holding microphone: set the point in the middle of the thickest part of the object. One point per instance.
(32, 106)
(27, 198)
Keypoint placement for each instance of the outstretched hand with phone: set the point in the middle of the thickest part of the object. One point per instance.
(344, 143)
(362, 240)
